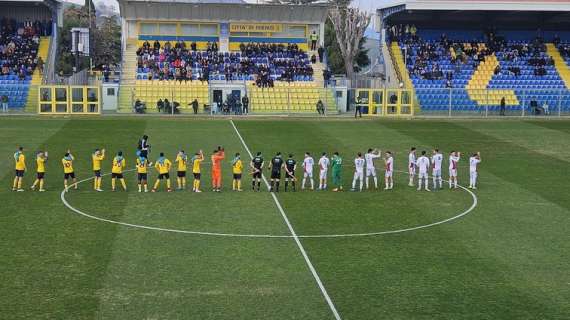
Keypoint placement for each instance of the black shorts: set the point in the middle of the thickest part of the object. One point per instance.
(41, 175)
(97, 173)
(19, 173)
(181, 174)
(70, 175)
(275, 174)
(163, 176)
(117, 175)
(257, 174)
(144, 153)
(237, 176)
(290, 175)
(142, 176)
(197, 175)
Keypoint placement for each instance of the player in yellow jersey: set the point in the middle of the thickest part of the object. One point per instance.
(142, 172)
(237, 169)
(98, 156)
(196, 170)
(20, 160)
(182, 161)
(162, 165)
(41, 160)
(119, 164)
(68, 172)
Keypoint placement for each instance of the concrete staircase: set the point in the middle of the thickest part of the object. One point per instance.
(128, 77)
(403, 74)
(43, 52)
(327, 96)
(559, 63)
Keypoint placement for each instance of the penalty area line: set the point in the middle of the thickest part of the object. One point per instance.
(293, 233)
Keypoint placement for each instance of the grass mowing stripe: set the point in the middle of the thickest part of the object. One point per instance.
(509, 165)
(297, 241)
(79, 247)
(29, 135)
(524, 134)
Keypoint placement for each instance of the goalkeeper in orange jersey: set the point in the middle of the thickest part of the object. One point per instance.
(217, 157)
(162, 165)
(237, 169)
(119, 164)
(41, 160)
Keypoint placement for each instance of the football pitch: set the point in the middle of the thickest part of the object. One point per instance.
(499, 252)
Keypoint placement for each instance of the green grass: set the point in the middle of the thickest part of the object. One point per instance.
(508, 259)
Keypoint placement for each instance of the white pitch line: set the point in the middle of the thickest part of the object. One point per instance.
(294, 234)
(243, 235)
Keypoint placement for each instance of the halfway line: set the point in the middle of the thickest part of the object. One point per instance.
(293, 233)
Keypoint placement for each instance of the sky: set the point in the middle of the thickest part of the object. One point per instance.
(368, 5)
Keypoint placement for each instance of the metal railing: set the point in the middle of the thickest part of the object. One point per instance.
(487, 103)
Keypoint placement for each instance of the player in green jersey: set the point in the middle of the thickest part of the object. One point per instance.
(337, 171)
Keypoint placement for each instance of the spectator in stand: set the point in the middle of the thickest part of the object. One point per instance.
(4, 101)
(314, 38)
(245, 104)
(321, 52)
(320, 107)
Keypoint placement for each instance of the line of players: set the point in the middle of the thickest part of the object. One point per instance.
(362, 164)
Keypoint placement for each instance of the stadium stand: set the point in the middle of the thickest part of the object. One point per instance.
(23, 50)
(481, 72)
(192, 58)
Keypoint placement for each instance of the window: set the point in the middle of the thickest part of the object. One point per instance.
(149, 28)
(167, 29)
(110, 91)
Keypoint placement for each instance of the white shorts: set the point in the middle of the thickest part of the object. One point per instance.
(423, 175)
(412, 169)
(371, 172)
(388, 174)
(453, 172)
(323, 174)
(308, 174)
(436, 173)
(358, 175)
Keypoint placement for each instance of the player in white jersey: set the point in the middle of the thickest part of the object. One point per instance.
(370, 169)
(323, 171)
(423, 168)
(436, 161)
(308, 164)
(473, 162)
(412, 166)
(389, 165)
(358, 172)
(453, 163)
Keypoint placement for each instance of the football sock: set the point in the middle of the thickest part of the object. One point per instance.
(124, 184)
(42, 184)
(168, 183)
(113, 183)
